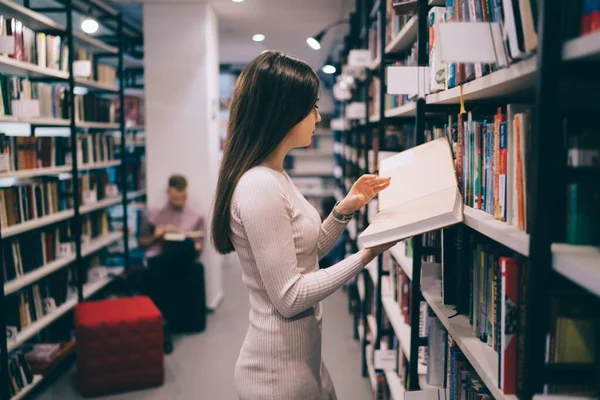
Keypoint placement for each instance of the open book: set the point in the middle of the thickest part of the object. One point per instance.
(181, 236)
(423, 195)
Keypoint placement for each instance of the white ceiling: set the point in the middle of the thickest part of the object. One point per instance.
(285, 23)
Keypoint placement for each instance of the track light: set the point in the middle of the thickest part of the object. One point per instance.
(328, 69)
(89, 24)
(315, 41)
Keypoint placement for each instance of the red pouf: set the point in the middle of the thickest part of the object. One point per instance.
(119, 345)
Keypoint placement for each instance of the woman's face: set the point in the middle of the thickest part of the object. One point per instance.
(301, 134)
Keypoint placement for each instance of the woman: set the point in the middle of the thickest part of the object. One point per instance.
(277, 234)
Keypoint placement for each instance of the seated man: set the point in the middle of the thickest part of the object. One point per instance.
(173, 236)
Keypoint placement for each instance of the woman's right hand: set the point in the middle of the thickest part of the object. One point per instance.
(369, 254)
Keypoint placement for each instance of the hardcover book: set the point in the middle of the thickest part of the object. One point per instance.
(423, 195)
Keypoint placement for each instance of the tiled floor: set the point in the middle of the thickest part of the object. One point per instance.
(201, 367)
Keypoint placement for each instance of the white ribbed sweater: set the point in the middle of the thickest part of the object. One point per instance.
(279, 239)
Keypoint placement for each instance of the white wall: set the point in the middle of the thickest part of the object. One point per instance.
(182, 91)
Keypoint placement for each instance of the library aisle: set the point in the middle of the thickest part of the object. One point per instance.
(201, 367)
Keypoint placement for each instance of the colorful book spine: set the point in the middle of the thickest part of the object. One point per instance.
(509, 324)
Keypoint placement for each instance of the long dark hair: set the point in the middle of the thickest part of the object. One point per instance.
(273, 93)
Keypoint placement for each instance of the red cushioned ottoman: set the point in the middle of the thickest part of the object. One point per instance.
(119, 345)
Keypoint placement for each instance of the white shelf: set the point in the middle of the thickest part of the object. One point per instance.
(36, 223)
(586, 47)
(482, 357)
(395, 385)
(89, 289)
(134, 92)
(374, 118)
(405, 38)
(94, 44)
(100, 165)
(581, 264)
(507, 81)
(30, 173)
(100, 205)
(37, 379)
(406, 110)
(501, 232)
(371, 368)
(398, 252)
(37, 274)
(97, 125)
(45, 121)
(90, 84)
(100, 243)
(15, 67)
(401, 328)
(136, 194)
(32, 329)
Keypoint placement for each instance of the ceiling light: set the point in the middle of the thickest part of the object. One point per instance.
(328, 69)
(237, 1)
(313, 43)
(259, 37)
(89, 25)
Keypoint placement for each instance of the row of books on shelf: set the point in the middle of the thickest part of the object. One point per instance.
(29, 201)
(21, 97)
(38, 48)
(31, 250)
(519, 24)
(34, 302)
(29, 152)
(40, 197)
(35, 359)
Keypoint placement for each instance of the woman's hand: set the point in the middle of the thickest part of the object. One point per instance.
(363, 190)
(368, 254)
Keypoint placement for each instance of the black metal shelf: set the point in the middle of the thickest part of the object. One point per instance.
(115, 51)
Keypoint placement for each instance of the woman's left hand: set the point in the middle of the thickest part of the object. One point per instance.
(363, 190)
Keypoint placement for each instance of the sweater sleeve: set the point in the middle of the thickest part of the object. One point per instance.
(264, 212)
(330, 231)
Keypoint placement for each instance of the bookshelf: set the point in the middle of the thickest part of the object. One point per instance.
(538, 245)
(37, 223)
(482, 357)
(108, 51)
(37, 380)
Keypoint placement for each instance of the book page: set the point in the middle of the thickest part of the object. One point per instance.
(417, 173)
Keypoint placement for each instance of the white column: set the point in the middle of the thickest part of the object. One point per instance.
(181, 69)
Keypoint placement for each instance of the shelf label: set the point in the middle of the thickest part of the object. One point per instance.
(82, 68)
(111, 190)
(412, 81)
(385, 359)
(472, 42)
(89, 197)
(4, 162)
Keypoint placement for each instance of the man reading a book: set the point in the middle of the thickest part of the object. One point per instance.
(174, 218)
(173, 236)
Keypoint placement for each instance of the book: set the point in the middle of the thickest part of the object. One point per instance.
(434, 202)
